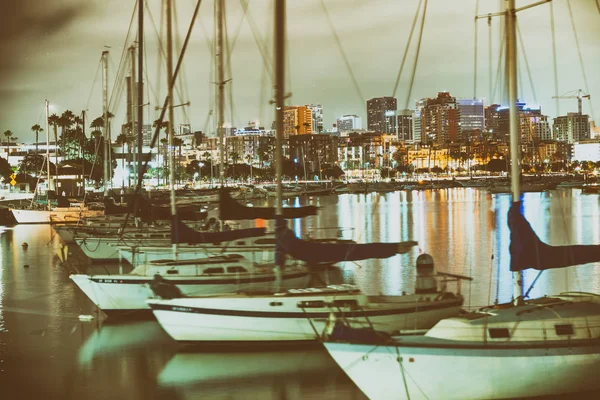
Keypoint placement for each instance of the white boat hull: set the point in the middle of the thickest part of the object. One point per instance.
(263, 319)
(59, 215)
(449, 371)
(146, 255)
(98, 249)
(127, 293)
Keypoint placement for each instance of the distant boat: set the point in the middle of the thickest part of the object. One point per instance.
(71, 212)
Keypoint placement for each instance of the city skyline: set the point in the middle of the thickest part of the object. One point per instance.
(42, 49)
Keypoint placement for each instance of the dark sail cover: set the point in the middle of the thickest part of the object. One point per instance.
(181, 233)
(111, 208)
(528, 251)
(230, 209)
(149, 212)
(316, 252)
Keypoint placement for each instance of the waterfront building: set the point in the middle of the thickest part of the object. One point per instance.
(405, 125)
(381, 114)
(428, 157)
(417, 131)
(348, 123)
(594, 130)
(317, 117)
(257, 150)
(586, 151)
(184, 129)
(440, 119)
(314, 150)
(492, 121)
(297, 120)
(573, 127)
(363, 154)
(472, 118)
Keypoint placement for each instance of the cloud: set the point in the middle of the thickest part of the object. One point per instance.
(22, 20)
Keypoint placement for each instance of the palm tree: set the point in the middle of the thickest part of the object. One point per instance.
(162, 125)
(65, 122)
(8, 134)
(306, 125)
(208, 159)
(164, 142)
(54, 121)
(97, 124)
(249, 159)
(37, 129)
(234, 158)
(179, 143)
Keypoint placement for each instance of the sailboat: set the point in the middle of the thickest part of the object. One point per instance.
(301, 315)
(527, 348)
(63, 213)
(211, 274)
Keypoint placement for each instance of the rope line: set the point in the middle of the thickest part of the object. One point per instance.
(343, 53)
(412, 78)
(475, 51)
(406, 48)
(585, 80)
(553, 31)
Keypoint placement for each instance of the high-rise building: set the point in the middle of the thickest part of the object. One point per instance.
(440, 119)
(492, 119)
(381, 114)
(348, 123)
(472, 117)
(405, 125)
(534, 127)
(497, 121)
(297, 120)
(572, 127)
(417, 132)
(147, 133)
(317, 117)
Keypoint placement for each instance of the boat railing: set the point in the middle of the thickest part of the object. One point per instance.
(452, 278)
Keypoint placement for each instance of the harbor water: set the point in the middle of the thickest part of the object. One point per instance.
(49, 351)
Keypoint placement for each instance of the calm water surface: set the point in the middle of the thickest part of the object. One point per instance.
(47, 352)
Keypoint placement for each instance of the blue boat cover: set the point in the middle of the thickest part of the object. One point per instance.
(317, 252)
(230, 209)
(181, 233)
(528, 251)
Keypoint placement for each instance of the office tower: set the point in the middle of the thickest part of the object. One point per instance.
(381, 114)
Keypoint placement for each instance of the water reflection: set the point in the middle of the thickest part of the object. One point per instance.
(465, 230)
(113, 338)
(283, 374)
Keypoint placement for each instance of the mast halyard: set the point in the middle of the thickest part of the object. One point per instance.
(133, 110)
(279, 89)
(48, 153)
(220, 89)
(140, 93)
(170, 96)
(105, 134)
(515, 137)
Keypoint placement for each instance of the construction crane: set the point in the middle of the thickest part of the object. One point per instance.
(580, 95)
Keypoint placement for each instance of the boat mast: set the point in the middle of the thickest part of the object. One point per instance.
(170, 96)
(133, 108)
(220, 89)
(515, 136)
(140, 91)
(48, 152)
(105, 118)
(279, 95)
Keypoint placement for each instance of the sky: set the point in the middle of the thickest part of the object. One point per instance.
(51, 50)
